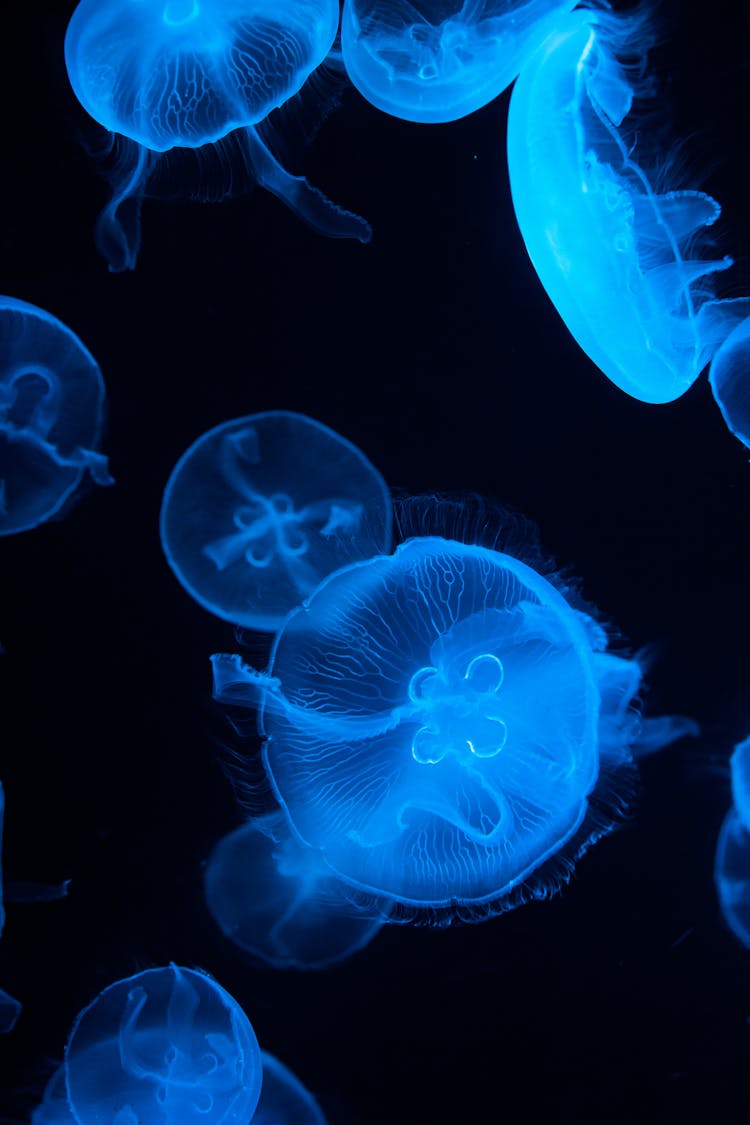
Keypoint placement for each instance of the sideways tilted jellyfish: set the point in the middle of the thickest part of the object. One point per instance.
(732, 867)
(181, 74)
(51, 416)
(168, 1046)
(729, 376)
(279, 901)
(627, 266)
(446, 727)
(260, 509)
(438, 60)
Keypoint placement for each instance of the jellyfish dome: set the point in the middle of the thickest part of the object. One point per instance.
(172, 74)
(283, 1098)
(280, 902)
(167, 1046)
(438, 60)
(437, 720)
(729, 377)
(621, 262)
(51, 417)
(732, 865)
(260, 509)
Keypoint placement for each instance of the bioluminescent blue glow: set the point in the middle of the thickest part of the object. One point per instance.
(279, 901)
(621, 262)
(51, 415)
(437, 720)
(167, 1046)
(732, 865)
(729, 376)
(185, 73)
(437, 60)
(260, 509)
(283, 1098)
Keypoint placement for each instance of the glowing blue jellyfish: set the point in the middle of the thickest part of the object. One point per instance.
(437, 60)
(621, 262)
(260, 509)
(442, 722)
(729, 376)
(185, 73)
(279, 901)
(283, 1098)
(51, 416)
(167, 1045)
(732, 868)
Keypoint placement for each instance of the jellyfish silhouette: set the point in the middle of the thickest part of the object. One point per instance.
(729, 376)
(170, 74)
(622, 262)
(438, 60)
(51, 416)
(732, 867)
(442, 722)
(278, 900)
(260, 509)
(283, 1098)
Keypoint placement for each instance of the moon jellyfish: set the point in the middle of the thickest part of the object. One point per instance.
(279, 901)
(446, 727)
(732, 868)
(166, 1045)
(260, 509)
(437, 60)
(182, 74)
(729, 376)
(283, 1098)
(622, 262)
(51, 416)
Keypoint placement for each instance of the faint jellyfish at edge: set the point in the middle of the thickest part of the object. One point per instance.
(401, 740)
(260, 509)
(438, 60)
(52, 402)
(627, 265)
(283, 1098)
(729, 376)
(171, 75)
(732, 866)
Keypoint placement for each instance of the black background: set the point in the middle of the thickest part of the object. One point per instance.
(436, 351)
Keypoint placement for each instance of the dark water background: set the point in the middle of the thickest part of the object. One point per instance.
(437, 352)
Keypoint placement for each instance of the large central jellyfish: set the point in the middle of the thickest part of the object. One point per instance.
(185, 73)
(437, 722)
(624, 263)
(438, 60)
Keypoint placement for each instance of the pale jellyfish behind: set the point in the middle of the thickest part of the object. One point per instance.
(171, 74)
(729, 377)
(732, 866)
(438, 60)
(626, 265)
(260, 509)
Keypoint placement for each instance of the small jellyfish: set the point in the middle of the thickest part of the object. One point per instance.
(732, 867)
(445, 727)
(260, 509)
(438, 60)
(279, 901)
(283, 1098)
(167, 1046)
(622, 262)
(729, 376)
(182, 74)
(51, 416)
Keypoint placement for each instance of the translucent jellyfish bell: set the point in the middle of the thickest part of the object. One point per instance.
(51, 416)
(166, 1046)
(280, 902)
(729, 376)
(260, 509)
(185, 73)
(621, 262)
(732, 866)
(438, 721)
(437, 60)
